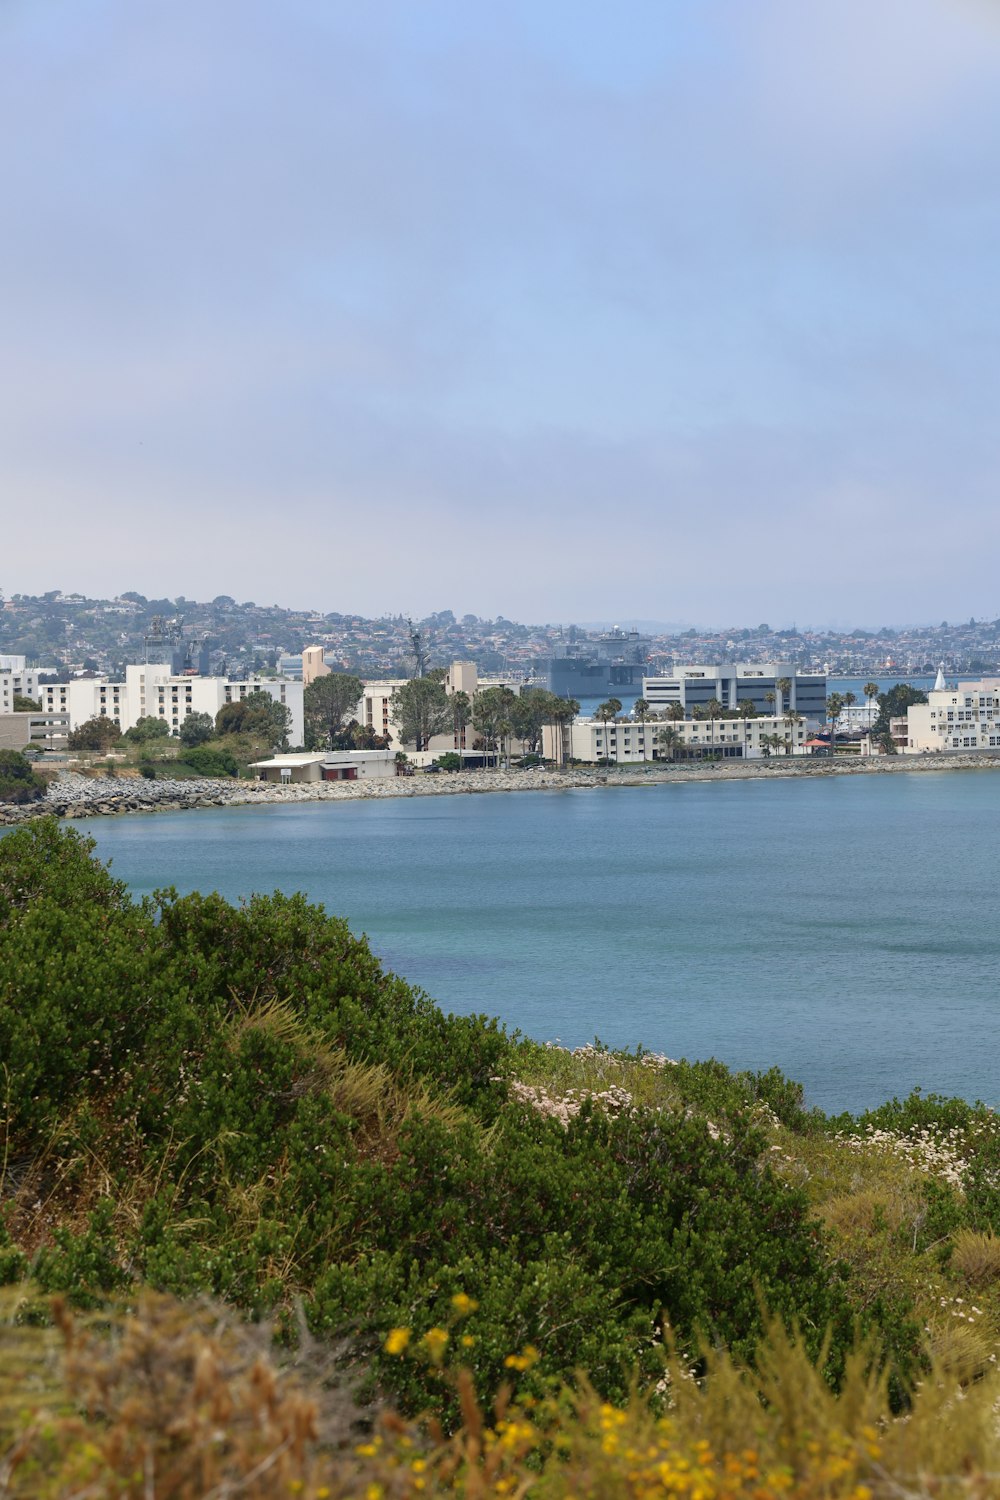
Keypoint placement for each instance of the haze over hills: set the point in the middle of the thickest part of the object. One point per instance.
(63, 632)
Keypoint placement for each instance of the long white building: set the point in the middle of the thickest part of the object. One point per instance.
(152, 690)
(628, 742)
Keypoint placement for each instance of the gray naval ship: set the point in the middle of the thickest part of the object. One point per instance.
(594, 666)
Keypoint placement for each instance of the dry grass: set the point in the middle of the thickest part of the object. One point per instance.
(976, 1256)
(178, 1402)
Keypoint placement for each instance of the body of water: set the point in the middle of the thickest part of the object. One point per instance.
(844, 929)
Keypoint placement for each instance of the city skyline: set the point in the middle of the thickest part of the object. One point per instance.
(534, 311)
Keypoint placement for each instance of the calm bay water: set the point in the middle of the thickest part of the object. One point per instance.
(843, 929)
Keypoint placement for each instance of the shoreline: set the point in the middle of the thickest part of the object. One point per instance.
(73, 795)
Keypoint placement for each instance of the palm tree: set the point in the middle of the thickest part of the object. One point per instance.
(791, 720)
(769, 699)
(675, 712)
(834, 709)
(670, 738)
(871, 692)
(607, 713)
(461, 713)
(562, 712)
(641, 711)
(784, 686)
(747, 710)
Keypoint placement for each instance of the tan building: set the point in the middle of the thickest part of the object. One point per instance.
(627, 742)
(313, 665)
(326, 765)
(45, 731)
(963, 718)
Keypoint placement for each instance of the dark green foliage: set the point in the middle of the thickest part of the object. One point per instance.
(97, 734)
(257, 714)
(18, 782)
(207, 760)
(149, 728)
(450, 760)
(284, 1119)
(893, 704)
(196, 729)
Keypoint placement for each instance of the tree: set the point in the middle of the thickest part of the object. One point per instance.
(196, 729)
(148, 728)
(674, 712)
(491, 715)
(23, 705)
(791, 720)
(257, 714)
(641, 711)
(871, 693)
(326, 702)
(893, 705)
(99, 734)
(528, 715)
(834, 709)
(562, 712)
(784, 686)
(770, 699)
(670, 739)
(461, 715)
(420, 709)
(608, 712)
(746, 709)
(18, 782)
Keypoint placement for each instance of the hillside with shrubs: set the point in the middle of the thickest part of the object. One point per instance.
(272, 1223)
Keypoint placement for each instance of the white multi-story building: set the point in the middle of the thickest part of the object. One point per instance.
(966, 717)
(628, 742)
(151, 690)
(732, 683)
(16, 682)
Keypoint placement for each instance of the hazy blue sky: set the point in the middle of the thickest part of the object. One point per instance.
(559, 309)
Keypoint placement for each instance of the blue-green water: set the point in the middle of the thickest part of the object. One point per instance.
(844, 929)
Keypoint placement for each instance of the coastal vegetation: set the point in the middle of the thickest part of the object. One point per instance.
(593, 1272)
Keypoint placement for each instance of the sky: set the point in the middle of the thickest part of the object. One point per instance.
(555, 310)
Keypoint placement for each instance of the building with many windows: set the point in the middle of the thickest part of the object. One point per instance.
(151, 690)
(966, 717)
(732, 683)
(628, 742)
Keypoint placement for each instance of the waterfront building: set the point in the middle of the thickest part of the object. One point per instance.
(628, 742)
(731, 683)
(963, 718)
(23, 731)
(326, 765)
(151, 690)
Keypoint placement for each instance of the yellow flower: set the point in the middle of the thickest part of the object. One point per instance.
(397, 1341)
(528, 1356)
(434, 1341)
(467, 1341)
(463, 1304)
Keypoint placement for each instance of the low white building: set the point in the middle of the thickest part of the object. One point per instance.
(21, 731)
(627, 742)
(150, 690)
(326, 765)
(963, 718)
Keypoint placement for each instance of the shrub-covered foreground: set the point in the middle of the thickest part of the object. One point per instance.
(240, 1102)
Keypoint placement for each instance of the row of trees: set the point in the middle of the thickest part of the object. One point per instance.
(257, 715)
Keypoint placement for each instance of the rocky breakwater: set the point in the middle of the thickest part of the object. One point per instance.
(71, 795)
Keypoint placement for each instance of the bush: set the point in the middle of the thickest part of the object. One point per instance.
(146, 729)
(450, 760)
(18, 782)
(208, 761)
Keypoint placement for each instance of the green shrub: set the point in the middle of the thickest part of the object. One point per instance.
(208, 761)
(18, 782)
